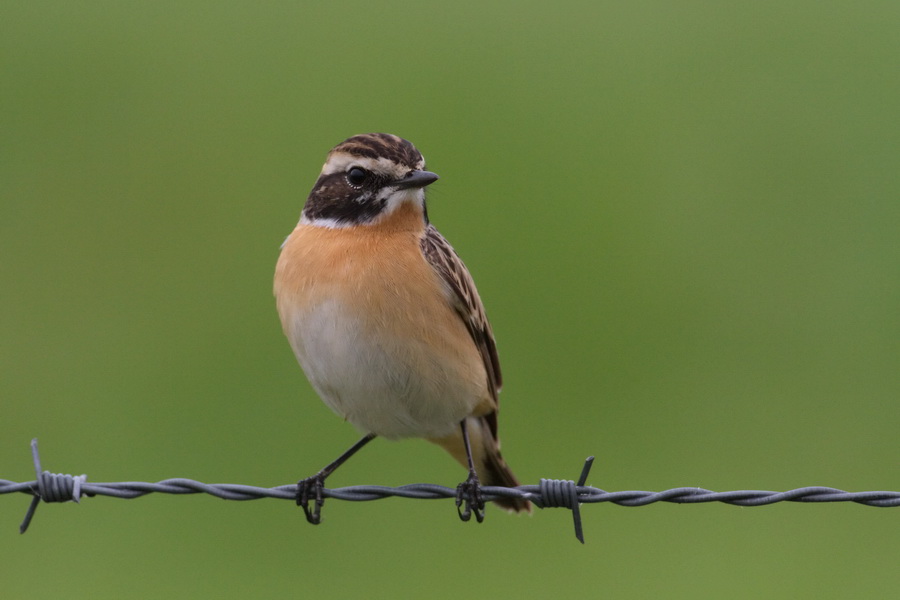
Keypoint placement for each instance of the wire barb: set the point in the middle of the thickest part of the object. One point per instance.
(51, 487)
(563, 493)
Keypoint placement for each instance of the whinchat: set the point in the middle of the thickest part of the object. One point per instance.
(385, 320)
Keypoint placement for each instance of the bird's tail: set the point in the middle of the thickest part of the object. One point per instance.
(489, 464)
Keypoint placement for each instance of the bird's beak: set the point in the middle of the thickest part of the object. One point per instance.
(416, 179)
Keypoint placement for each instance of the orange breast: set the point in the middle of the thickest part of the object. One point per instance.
(423, 363)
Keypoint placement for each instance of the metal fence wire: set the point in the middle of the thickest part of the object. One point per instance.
(549, 493)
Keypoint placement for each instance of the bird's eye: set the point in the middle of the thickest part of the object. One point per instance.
(356, 176)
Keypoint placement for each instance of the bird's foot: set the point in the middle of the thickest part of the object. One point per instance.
(311, 489)
(469, 500)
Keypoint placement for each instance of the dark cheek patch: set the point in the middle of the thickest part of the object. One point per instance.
(333, 198)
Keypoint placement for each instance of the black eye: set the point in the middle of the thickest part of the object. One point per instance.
(356, 176)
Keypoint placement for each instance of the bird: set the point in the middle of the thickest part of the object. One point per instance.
(385, 320)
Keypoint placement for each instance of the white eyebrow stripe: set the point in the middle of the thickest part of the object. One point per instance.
(341, 161)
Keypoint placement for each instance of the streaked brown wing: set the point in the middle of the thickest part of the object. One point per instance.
(444, 259)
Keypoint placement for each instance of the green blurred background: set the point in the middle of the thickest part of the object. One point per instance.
(684, 219)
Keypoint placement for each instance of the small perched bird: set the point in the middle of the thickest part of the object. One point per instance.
(385, 320)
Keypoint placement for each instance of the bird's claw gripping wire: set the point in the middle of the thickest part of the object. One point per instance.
(311, 489)
(469, 500)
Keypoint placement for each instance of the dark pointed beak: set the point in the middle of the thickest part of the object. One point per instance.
(416, 179)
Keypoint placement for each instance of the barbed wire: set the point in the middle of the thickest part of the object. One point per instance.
(549, 493)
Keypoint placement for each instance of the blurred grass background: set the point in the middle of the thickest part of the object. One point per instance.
(683, 219)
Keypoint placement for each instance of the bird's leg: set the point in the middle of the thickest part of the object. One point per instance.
(312, 487)
(469, 491)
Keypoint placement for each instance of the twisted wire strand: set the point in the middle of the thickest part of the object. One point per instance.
(549, 493)
(431, 491)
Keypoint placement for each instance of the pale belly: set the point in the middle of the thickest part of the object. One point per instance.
(394, 382)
